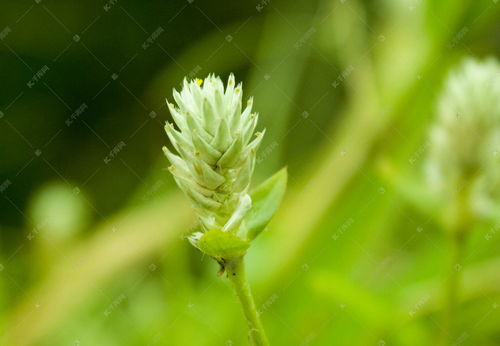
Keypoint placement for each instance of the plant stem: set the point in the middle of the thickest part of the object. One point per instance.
(236, 274)
(453, 285)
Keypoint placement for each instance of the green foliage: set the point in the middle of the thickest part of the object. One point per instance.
(266, 199)
(337, 84)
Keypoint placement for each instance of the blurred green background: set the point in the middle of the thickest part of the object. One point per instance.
(92, 227)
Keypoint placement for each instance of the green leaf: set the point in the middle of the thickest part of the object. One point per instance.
(220, 244)
(265, 202)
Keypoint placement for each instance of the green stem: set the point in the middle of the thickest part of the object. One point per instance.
(453, 285)
(236, 274)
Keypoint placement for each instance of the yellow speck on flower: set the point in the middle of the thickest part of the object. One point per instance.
(199, 81)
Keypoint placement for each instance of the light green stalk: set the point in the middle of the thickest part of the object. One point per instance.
(236, 274)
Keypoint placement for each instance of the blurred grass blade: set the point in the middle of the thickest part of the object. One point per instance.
(125, 240)
(274, 80)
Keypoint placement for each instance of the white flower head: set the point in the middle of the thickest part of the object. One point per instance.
(465, 139)
(216, 145)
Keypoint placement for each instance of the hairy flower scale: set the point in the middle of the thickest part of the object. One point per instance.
(215, 151)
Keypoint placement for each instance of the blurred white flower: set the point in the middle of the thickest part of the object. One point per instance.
(215, 151)
(464, 148)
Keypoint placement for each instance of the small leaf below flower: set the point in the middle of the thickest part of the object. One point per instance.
(266, 199)
(220, 244)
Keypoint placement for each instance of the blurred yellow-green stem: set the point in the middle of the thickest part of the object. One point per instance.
(458, 220)
(128, 238)
(452, 287)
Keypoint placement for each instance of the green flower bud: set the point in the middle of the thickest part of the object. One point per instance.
(216, 153)
(464, 147)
